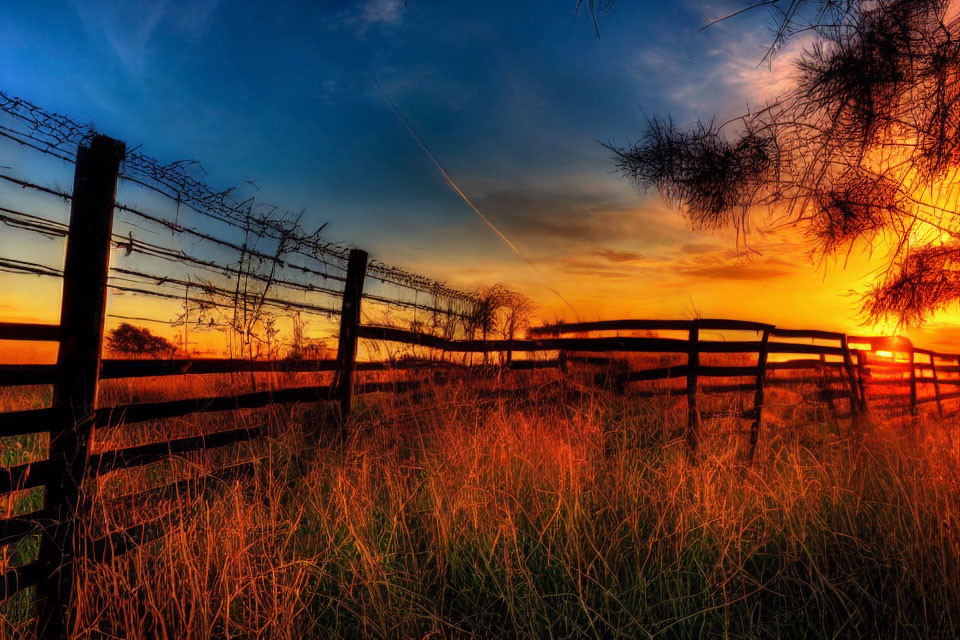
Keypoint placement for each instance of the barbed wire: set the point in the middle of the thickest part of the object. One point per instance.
(28, 222)
(130, 244)
(11, 265)
(183, 183)
(50, 228)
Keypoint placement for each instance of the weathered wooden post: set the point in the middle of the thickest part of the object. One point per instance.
(349, 321)
(862, 381)
(857, 402)
(510, 343)
(693, 369)
(825, 386)
(913, 383)
(82, 312)
(936, 385)
(758, 395)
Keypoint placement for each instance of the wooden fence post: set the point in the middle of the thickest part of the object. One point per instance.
(759, 393)
(825, 386)
(936, 385)
(913, 383)
(693, 366)
(82, 312)
(510, 344)
(349, 321)
(857, 402)
(862, 381)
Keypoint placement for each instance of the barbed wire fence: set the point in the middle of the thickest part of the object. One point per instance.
(232, 262)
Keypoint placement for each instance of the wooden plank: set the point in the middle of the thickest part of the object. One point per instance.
(134, 502)
(702, 389)
(13, 375)
(112, 369)
(527, 365)
(144, 411)
(28, 374)
(658, 373)
(727, 388)
(106, 461)
(141, 412)
(398, 386)
(24, 476)
(797, 381)
(108, 547)
(895, 408)
(952, 357)
(658, 393)
(598, 361)
(904, 397)
(726, 371)
(884, 364)
(814, 334)
(612, 325)
(721, 324)
(801, 364)
(880, 382)
(29, 331)
(116, 543)
(20, 578)
(16, 528)
(18, 423)
(597, 345)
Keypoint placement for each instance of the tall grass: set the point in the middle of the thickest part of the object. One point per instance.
(457, 513)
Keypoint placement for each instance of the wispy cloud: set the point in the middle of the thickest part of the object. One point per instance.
(382, 12)
(765, 269)
(580, 220)
(128, 26)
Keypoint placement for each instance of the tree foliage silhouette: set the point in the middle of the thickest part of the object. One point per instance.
(129, 340)
(863, 150)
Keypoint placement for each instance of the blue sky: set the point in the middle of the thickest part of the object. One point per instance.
(514, 98)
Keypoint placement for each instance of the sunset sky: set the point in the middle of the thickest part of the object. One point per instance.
(514, 100)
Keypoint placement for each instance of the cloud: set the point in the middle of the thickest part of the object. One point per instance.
(726, 73)
(379, 12)
(736, 272)
(727, 265)
(128, 26)
(581, 221)
(589, 266)
(616, 256)
(699, 247)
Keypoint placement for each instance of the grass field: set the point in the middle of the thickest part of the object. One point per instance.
(464, 511)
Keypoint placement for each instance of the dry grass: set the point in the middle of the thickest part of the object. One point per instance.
(452, 513)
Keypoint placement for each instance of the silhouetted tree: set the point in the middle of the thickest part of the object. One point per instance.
(129, 340)
(864, 148)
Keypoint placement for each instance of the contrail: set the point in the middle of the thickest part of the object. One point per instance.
(453, 185)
